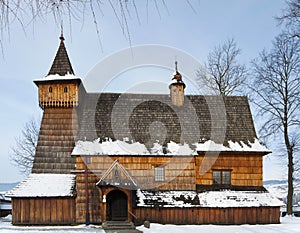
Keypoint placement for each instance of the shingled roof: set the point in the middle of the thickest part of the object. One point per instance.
(45, 185)
(147, 118)
(61, 64)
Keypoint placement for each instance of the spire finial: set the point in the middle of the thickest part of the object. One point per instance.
(61, 32)
(176, 69)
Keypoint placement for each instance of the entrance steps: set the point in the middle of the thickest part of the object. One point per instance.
(119, 227)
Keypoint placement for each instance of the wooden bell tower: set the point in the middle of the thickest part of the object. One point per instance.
(60, 88)
(59, 95)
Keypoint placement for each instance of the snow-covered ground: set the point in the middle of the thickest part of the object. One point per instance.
(288, 225)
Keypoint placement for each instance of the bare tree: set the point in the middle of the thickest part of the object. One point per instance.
(222, 73)
(22, 153)
(291, 17)
(276, 89)
(25, 12)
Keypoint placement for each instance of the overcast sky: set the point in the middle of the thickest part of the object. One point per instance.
(28, 56)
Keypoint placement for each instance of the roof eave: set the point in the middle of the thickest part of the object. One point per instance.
(57, 81)
(233, 152)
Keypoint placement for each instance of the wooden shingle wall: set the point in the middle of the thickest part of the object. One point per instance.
(179, 171)
(56, 141)
(246, 169)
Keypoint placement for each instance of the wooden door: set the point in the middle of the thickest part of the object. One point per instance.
(116, 209)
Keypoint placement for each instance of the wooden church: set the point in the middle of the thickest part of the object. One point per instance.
(177, 159)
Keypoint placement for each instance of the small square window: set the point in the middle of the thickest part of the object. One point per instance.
(159, 174)
(216, 177)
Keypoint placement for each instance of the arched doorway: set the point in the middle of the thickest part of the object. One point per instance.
(116, 206)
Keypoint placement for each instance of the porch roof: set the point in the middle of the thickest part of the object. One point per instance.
(217, 199)
(45, 185)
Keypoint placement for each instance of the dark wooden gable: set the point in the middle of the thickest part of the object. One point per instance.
(148, 118)
(117, 175)
(61, 64)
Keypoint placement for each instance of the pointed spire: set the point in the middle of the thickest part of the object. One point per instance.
(61, 64)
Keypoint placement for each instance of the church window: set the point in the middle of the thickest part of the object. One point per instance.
(50, 89)
(221, 177)
(159, 174)
(65, 89)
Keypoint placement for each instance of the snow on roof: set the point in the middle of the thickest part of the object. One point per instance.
(209, 145)
(45, 185)
(175, 81)
(109, 147)
(52, 77)
(219, 199)
(3, 197)
(228, 198)
(167, 199)
(118, 147)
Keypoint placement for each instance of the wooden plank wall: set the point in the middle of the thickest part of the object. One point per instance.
(43, 211)
(58, 98)
(223, 216)
(246, 169)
